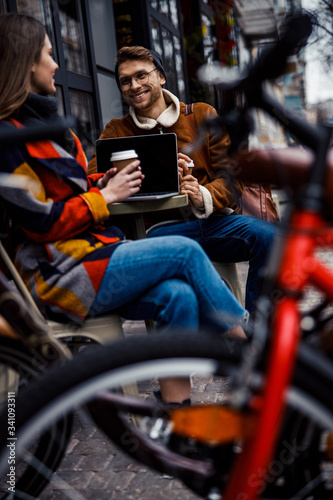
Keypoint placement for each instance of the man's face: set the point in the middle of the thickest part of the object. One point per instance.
(142, 97)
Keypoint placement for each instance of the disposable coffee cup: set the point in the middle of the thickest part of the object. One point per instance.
(121, 159)
(190, 166)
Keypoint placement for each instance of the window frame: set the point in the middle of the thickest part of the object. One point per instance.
(166, 23)
(66, 80)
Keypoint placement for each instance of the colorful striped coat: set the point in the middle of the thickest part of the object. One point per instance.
(67, 247)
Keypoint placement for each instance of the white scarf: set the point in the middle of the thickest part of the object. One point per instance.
(166, 119)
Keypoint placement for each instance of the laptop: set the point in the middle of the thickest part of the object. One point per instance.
(159, 162)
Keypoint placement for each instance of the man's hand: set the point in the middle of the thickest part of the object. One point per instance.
(123, 184)
(189, 184)
(191, 187)
(183, 161)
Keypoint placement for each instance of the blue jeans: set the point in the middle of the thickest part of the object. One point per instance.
(169, 280)
(233, 238)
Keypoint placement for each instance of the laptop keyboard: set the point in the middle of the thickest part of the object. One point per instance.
(138, 195)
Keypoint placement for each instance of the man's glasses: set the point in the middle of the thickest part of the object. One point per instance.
(142, 78)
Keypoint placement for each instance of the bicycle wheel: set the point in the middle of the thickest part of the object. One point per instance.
(96, 377)
(17, 367)
(109, 369)
(303, 464)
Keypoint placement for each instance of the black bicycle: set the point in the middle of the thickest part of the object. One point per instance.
(25, 352)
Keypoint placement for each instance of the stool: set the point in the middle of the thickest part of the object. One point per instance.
(228, 272)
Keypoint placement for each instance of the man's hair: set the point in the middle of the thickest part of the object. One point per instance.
(137, 52)
(21, 41)
(134, 52)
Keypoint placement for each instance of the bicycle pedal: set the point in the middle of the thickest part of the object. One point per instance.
(158, 429)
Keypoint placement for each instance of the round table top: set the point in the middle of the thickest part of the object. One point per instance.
(131, 207)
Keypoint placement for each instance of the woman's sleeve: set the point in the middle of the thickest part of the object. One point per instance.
(46, 218)
(107, 133)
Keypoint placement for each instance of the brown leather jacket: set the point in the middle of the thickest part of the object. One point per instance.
(217, 175)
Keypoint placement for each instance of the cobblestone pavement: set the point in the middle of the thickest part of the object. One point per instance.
(95, 468)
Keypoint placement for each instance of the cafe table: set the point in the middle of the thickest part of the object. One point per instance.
(136, 210)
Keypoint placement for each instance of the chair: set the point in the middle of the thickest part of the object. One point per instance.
(100, 329)
(228, 272)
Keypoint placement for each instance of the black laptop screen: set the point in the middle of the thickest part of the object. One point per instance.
(158, 156)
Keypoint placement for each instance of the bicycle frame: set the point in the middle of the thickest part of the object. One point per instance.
(28, 326)
(297, 269)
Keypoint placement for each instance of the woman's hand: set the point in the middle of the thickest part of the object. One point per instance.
(123, 184)
(102, 182)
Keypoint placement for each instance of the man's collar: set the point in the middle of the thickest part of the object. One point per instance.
(166, 119)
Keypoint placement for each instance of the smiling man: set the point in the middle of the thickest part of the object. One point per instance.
(212, 187)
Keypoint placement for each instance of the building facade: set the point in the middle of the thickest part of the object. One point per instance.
(86, 35)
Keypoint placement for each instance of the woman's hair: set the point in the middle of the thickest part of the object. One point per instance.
(21, 41)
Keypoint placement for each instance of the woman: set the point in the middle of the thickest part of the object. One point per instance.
(73, 264)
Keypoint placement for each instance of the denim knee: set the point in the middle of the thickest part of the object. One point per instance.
(178, 305)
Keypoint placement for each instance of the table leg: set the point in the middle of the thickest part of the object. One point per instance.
(139, 226)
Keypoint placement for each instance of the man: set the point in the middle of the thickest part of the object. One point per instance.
(213, 187)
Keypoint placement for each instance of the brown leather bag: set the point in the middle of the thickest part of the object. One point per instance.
(256, 199)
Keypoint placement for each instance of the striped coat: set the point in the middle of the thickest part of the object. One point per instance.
(67, 246)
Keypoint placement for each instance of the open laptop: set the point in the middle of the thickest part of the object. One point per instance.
(159, 163)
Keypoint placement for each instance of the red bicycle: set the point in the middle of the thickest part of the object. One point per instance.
(267, 431)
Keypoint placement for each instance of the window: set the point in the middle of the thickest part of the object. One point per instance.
(104, 38)
(166, 34)
(67, 26)
(208, 28)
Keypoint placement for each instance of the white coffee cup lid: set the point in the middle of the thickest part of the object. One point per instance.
(123, 155)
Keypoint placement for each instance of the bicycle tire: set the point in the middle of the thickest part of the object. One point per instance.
(123, 361)
(48, 452)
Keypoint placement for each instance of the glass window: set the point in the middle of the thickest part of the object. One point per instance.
(41, 11)
(168, 8)
(124, 30)
(166, 41)
(174, 13)
(74, 48)
(81, 108)
(103, 32)
(154, 4)
(208, 46)
(105, 45)
(169, 60)
(179, 68)
(156, 36)
(59, 95)
(69, 35)
(110, 99)
(164, 7)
